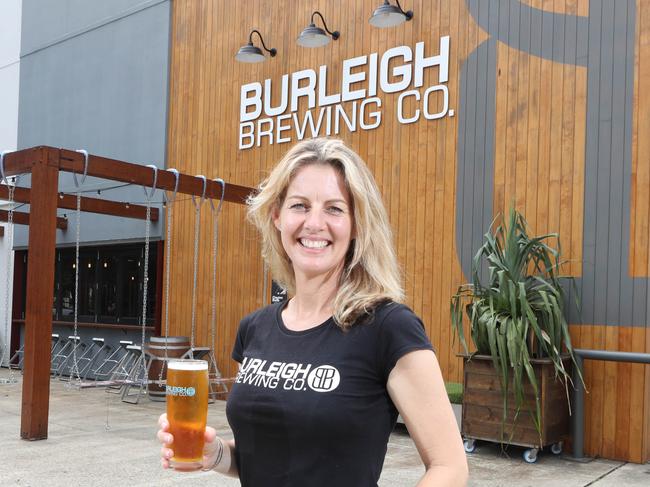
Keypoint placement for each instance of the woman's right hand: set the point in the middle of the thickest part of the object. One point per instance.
(211, 450)
(166, 438)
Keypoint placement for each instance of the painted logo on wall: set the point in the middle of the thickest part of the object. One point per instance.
(604, 43)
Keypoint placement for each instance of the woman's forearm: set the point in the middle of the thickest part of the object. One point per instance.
(445, 475)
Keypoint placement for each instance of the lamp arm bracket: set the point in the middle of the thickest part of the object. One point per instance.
(408, 15)
(335, 35)
(271, 51)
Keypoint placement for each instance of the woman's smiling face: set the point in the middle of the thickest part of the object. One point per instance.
(315, 221)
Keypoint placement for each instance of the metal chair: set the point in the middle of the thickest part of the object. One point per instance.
(63, 347)
(57, 343)
(18, 354)
(138, 376)
(97, 347)
(67, 365)
(123, 369)
(110, 363)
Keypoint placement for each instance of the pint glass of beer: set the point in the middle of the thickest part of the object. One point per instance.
(187, 411)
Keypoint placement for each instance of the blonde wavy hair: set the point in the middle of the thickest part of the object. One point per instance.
(371, 273)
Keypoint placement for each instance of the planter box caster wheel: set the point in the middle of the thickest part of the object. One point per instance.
(469, 445)
(530, 455)
(556, 448)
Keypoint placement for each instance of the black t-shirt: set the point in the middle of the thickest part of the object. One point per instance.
(310, 408)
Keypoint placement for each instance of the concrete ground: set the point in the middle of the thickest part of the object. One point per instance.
(97, 440)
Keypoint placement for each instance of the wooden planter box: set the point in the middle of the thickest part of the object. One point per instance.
(483, 405)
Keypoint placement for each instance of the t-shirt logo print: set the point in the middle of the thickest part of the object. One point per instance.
(324, 378)
(287, 375)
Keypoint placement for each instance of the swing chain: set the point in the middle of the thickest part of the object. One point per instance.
(75, 364)
(74, 371)
(145, 283)
(9, 243)
(168, 258)
(147, 236)
(215, 243)
(197, 226)
(10, 217)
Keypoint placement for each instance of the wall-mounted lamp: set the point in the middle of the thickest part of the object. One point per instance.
(253, 54)
(388, 15)
(314, 36)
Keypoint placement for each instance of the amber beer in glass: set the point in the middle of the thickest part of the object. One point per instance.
(187, 411)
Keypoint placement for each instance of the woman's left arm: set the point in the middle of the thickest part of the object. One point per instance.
(418, 391)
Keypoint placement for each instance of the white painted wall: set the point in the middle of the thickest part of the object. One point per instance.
(10, 13)
(6, 263)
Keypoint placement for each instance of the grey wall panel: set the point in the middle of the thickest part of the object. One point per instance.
(49, 21)
(588, 286)
(600, 46)
(619, 192)
(10, 12)
(105, 91)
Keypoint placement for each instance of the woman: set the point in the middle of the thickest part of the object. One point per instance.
(324, 375)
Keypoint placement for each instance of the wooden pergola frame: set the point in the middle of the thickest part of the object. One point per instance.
(44, 164)
(90, 205)
(22, 218)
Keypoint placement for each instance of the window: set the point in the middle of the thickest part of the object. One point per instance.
(110, 284)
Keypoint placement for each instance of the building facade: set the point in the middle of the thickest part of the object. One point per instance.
(469, 108)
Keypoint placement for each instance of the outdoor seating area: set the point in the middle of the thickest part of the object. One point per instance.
(123, 370)
(108, 434)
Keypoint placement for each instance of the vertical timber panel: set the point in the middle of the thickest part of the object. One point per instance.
(640, 208)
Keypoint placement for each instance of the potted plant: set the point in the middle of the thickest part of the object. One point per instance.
(516, 383)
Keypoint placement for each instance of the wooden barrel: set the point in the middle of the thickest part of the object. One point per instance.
(175, 347)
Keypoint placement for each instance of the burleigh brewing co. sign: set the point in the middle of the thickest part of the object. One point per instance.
(363, 80)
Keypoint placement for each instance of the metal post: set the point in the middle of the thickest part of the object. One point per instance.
(578, 421)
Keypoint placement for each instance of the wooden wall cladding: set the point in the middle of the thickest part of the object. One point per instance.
(539, 163)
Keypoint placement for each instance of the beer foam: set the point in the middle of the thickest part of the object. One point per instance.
(187, 365)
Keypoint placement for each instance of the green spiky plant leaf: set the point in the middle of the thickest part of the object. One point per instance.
(518, 314)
